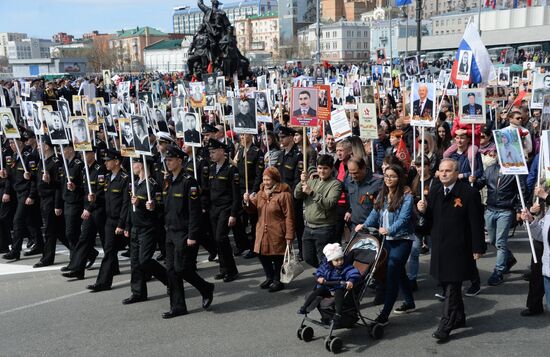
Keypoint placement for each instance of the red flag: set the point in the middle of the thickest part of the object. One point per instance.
(519, 98)
(403, 154)
(529, 2)
(210, 68)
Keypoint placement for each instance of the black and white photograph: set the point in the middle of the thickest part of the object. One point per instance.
(37, 118)
(81, 134)
(56, 129)
(210, 84)
(503, 76)
(8, 127)
(464, 64)
(210, 102)
(140, 135)
(25, 89)
(541, 88)
(528, 69)
(26, 108)
(91, 115)
(178, 116)
(263, 114)
(245, 120)
(337, 96)
(77, 105)
(99, 104)
(159, 118)
(261, 83)
(411, 66)
(65, 109)
(192, 129)
(123, 91)
(126, 138)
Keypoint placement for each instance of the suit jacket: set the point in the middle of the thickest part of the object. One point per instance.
(427, 111)
(478, 109)
(463, 68)
(310, 113)
(452, 249)
(245, 121)
(192, 136)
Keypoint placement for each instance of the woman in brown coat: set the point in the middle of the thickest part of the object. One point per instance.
(275, 227)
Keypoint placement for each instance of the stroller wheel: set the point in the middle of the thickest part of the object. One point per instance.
(307, 333)
(336, 345)
(299, 333)
(327, 343)
(377, 331)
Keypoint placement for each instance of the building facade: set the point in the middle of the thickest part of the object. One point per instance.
(351, 10)
(28, 48)
(167, 55)
(341, 41)
(62, 37)
(5, 37)
(258, 35)
(25, 68)
(187, 20)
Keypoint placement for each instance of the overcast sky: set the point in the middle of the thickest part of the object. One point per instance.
(43, 18)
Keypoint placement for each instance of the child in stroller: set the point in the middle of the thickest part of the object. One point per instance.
(334, 277)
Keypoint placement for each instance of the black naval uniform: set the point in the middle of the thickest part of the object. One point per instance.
(27, 217)
(224, 192)
(255, 162)
(117, 203)
(207, 237)
(158, 174)
(182, 221)
(50, 200)
(143, 241)
(73, 201)
(7, 209)
(290, 166)
(95, 224)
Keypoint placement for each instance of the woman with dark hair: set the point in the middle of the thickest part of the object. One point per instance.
(393, 217)
(444, 139)
(271, 155)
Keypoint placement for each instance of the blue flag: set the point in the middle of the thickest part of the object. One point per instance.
(403, 2)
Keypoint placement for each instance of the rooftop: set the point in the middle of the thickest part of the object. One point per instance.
(165, 45)
(229, 5)
(140, 31)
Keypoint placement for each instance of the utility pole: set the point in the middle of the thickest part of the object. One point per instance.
(318, 54)
(418, 27)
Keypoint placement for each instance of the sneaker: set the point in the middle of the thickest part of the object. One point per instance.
(404, 309)
(529, 312)
(510, 262)
(381, 320)
(495, 279)
(302, 310)
(440, 296)
(473, 290)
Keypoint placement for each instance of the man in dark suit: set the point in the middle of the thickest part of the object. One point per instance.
(191, 134)
(55, 127)
(423, 106)
(245, 118)
(472, 108)
(305, 110)
(141, 138)
(411, 69)
(453, 204)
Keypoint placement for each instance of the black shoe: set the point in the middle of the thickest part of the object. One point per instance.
(40, 264)
(404, 309)
(381, 320)
(161, 257)
(98, 287)
(266, 284)
(212, 257)
(207, 300)
(219, 276)
(12, 256)
(529, 312)
(302, 310)
(230, 277)
(250, 255)
(126, 253)
(473, 290)
(237, 252)
(30, 243)
(65, 268)
(74, 274)
(509, 264)
(173, 313)
(440, 336)
(33, 251)
(276, 286)
(91, 260)
(4, 250)
(133, 299)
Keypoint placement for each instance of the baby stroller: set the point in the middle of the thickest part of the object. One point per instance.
(366, 253)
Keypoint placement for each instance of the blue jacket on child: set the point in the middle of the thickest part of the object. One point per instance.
(329, 272)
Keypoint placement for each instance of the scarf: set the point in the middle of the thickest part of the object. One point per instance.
(269, 191)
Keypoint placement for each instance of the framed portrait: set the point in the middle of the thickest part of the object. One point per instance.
(541, 88)
(140, 133)
(324, 105)
(471, 106)
(304, 105)
(65, 109)
(39, 114)
(528, 69)
(339, 125)
(56, 128)
(8, 126)
(197, 95)
(191, 129)
(221, 90)
(263, 112)
(464, 65)
(423, 104)
(99, 104)
(91, 115)
(210, 102)
(510, 152)
(126, 133)
(368, 127)
(412, 67)
(503, 76)
(81, 134)
(245, 115)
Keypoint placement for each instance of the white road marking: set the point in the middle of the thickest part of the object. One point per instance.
(24, 307)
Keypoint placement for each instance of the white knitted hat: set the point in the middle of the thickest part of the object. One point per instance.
(333, 251)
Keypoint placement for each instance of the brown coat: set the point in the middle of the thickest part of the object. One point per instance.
(275, 219)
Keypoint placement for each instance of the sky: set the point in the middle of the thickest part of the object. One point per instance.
(44, 18)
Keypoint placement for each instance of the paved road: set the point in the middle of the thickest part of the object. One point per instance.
(42, 314)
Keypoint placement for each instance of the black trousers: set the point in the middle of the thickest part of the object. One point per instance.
(85, 246)
(272, 266)
(142, 248)
(219, 218)
(27, 221)
(207, 237)
(73, 222)
(314, 241)
(7, 211)
(181, 264)
(340, 224)
(299, 222)
(536, 282)
(54, 229)
(453, 307)
(161, 236)
(109, 264)
(239, 230)
(325, 292)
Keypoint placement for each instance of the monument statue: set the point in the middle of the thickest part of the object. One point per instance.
(214, 46)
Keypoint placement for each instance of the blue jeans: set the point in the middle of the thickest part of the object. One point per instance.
(498, 224)
(396, 276)
(413, 263)
(547, 291)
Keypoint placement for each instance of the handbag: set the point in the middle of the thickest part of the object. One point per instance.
(291, 268)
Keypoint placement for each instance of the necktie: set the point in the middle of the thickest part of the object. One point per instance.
(447, 190)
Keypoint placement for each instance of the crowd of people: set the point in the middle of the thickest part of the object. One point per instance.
(262, 190)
